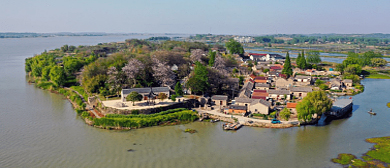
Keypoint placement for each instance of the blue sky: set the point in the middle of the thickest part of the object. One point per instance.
(200, 16)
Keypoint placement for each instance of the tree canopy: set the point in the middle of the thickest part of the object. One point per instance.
(287, 69)
(301, 60)
(198, 82)
(314, 103)
(57, 75)
(234, 47)
(133, 97)
(285, 114)
(178, 89)
(313, 57)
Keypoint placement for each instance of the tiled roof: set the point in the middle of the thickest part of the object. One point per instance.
(264, 102)
(262, 85)
(292, 105)
(219, 97)
(256, 54)
(259, 97)
(261, 94)
(301, 89)
(261, 78)
(275, 68)
(347, 80)
(235, 107)
(279, 92)
(243, 100)
(302, 77)
(145, 90)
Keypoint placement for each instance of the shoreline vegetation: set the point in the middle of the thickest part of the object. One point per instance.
(378, 156)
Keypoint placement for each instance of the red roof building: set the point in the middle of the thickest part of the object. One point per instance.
(256, 54)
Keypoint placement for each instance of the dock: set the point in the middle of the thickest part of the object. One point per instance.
(340, 108)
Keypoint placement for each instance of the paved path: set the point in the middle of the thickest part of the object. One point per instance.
(87, 107)
(242, 119)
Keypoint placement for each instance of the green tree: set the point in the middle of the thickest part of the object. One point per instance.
(287, 70)
(46, 73)
(301, 61)
(234, 47)
(318, 82)
(133, 97)
(198, 82)
(212, 58)
(354, 69)
(305, 110)
(323, 86)
(65, 48)
(378, 62)
(179, 89)
(314, 103)
(340, 68)
(313, 57)
(173, 98)
(285, 114)
(57, 75)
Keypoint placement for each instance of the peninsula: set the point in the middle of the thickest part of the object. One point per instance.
(141, 83)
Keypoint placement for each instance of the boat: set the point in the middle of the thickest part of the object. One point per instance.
(371, 112)
(232, 126)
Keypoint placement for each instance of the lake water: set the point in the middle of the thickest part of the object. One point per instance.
(40, 129)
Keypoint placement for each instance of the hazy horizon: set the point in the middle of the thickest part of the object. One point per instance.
(247, 17)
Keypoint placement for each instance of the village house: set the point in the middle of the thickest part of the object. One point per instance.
(262, 86)
(260, 106)
(219, 100)
(261, 79)
(302, 80)
(237, 109)
(275, 68)
(292, 107)
(260, 67)
(279, 94)
(348, 83)
(254, 105)
(256, 57)
(335, 84)
(145, 92)
(282, 83)
(246, 90)
(260, 94)
(300, 92)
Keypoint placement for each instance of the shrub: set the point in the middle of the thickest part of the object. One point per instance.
(85, 114)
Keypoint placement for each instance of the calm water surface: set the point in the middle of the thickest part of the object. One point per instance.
(40, 129)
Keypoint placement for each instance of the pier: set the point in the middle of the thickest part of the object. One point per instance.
(340, 108)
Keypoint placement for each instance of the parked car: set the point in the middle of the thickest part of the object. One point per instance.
(275, 121)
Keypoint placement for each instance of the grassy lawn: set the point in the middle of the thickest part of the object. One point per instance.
(80, 90)
(375, 74)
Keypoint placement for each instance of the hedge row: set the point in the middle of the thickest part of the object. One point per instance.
(138, 122)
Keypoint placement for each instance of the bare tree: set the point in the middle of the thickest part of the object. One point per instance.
(162, 72)
(197, 54)
(132, 69)
(113, 80)
(220, 65)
